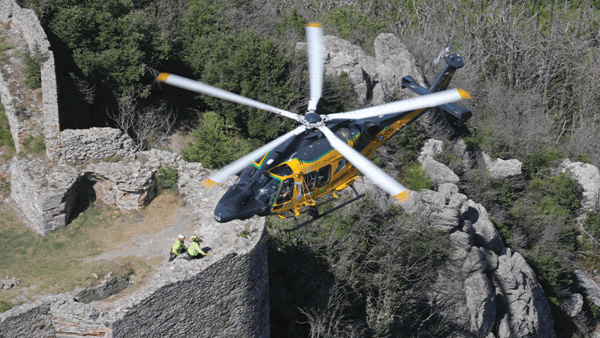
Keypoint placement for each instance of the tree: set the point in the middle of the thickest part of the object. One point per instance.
(215, 144)
(149, 126)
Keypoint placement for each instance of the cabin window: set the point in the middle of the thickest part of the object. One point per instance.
(341, 165)
(286, 192)
(282, 170)
(310, 179)
(324, 175)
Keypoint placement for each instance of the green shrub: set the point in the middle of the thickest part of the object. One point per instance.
(244, 234)
(167, 178)
(413, 176)
(33, 64)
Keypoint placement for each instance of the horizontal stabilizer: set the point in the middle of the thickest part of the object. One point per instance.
(459, 112)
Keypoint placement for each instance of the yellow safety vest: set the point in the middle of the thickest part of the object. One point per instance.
(178, 247)
(194, 250)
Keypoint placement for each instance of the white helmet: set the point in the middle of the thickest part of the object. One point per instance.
(181, 236)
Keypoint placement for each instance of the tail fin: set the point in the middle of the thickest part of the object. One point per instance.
(453, 62)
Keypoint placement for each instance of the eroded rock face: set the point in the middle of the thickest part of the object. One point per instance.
(480, 296)
(485, 232)
(588, 286)
(528, 312)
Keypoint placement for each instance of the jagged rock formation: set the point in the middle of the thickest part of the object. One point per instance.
(375, 80)
(502, 297)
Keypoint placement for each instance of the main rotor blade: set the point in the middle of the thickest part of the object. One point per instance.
(314, 38)
(203, 88)
(368, 168)
(425, 101)
(237, 166)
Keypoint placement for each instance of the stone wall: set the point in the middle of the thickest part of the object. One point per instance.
(45, 192)
(94, 143)
(29, 26)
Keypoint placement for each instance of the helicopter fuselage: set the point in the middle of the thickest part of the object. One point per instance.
(292, 176)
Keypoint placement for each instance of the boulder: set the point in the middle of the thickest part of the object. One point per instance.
(499, 168)
(375, 80)
(571, 303)
(588, 286)
(438, 173)
(431, 147)
(588, 177)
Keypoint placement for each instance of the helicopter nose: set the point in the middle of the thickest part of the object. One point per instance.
(237, 203)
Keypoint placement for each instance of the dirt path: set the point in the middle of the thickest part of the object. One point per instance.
(156, 244)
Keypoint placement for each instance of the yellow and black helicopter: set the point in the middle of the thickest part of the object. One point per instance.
(324, 153)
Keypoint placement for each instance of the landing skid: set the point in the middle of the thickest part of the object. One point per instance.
(298, 226)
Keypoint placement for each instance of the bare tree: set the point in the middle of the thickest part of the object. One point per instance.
(149, 126)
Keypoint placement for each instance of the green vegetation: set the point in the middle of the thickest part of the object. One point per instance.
(167, 178)
(34, 145)
(348, 266)
(6, 139)
(413, 177)
(216, 144)
(33, 63)
(244, 234)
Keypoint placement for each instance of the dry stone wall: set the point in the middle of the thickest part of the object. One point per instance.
(45, 191)
(26, 22)
(95, 143)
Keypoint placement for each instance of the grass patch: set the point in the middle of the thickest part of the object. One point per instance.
(56, 262)
(34, 145)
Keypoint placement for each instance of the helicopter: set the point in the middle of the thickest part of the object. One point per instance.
(324, 153)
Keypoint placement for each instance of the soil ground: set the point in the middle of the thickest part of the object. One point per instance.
(100, 240)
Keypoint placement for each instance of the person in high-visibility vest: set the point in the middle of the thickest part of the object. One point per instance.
(178, 247)
(194, 250)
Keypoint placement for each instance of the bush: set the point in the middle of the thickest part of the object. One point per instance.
(33, 64)
(167, 178)
(413, 176)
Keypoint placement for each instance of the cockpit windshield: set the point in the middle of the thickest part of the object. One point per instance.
(262, 186)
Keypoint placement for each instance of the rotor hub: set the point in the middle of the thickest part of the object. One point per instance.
(312, 117)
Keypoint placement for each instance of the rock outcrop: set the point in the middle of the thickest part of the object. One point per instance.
(375, 80)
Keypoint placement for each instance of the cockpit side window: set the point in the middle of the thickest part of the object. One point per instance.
(282, 170)
(286, 192)
(324, 175)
